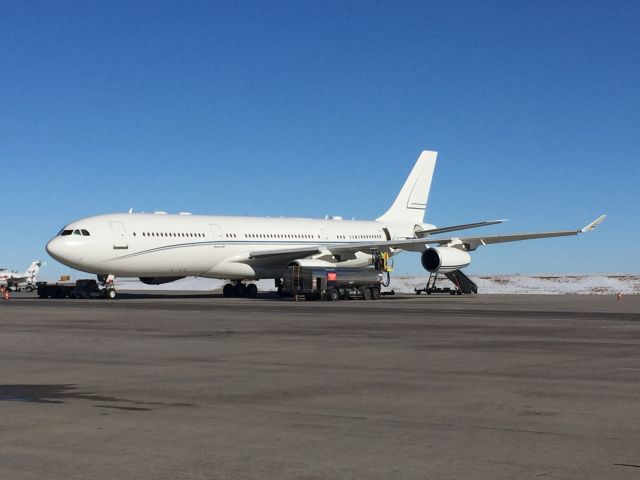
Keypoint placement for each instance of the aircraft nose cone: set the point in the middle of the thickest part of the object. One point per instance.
(55, 248)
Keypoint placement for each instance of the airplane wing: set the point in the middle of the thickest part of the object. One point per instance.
(287, 254)
(299, 252)
(453, 228)
(415, 244)
(471, 243)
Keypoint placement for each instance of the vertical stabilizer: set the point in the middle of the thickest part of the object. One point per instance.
(33, 269)
(411, 203)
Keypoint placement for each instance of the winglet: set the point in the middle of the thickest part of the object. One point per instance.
(593, 224)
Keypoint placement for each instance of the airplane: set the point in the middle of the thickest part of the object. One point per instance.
(16, 280)
(160, 248)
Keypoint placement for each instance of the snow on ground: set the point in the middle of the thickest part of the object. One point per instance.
(487, 284)
(536, 284)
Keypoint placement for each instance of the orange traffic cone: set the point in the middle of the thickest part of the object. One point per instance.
(6, 295)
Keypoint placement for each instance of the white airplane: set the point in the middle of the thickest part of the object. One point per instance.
(15, 279)
(160, 248)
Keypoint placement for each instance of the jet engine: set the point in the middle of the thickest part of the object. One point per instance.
(158, 280)
(444, 259)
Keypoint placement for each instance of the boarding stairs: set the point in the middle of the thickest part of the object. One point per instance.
(461, 282)
(464, 283)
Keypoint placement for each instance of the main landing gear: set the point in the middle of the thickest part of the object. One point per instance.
(239, 289)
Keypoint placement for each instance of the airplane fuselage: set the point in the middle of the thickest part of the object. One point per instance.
(166, 245)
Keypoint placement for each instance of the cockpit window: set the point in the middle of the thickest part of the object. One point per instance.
(64, 233)
(77, 231)
(86, 232)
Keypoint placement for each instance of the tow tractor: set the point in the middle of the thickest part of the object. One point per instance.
(83, 288)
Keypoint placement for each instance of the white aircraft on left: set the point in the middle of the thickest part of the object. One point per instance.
(18, 280)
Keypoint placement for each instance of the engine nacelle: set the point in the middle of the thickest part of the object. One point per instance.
(444, 259)
(158, 280)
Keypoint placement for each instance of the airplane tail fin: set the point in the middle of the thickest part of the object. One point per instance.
(33, 269)
(411, 202)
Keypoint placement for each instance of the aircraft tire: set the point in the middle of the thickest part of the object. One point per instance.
(252, 290)
(228, 290)
(240, 290)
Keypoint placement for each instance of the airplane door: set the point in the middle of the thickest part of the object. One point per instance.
(119, 235)
(323, 234)
(217, 235)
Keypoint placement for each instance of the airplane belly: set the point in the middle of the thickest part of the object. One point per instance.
(164, 261)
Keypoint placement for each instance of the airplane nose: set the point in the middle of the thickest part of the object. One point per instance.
(55, 248)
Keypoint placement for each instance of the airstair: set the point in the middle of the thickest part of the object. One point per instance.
(462, 284)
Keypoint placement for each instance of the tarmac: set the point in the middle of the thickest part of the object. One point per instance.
(408, 387)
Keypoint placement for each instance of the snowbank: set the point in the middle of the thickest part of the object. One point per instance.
(536, 284)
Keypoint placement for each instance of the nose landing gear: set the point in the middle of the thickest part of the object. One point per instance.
(107, 286)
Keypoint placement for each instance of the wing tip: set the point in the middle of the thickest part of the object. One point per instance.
(593, 225)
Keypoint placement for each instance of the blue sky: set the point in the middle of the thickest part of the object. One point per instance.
(307, 108)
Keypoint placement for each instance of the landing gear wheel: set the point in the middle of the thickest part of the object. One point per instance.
(252, 290)
(111, 294)
(228, 290)
(29, 288)
(366, 294)
(375, 293)
(240, 289)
